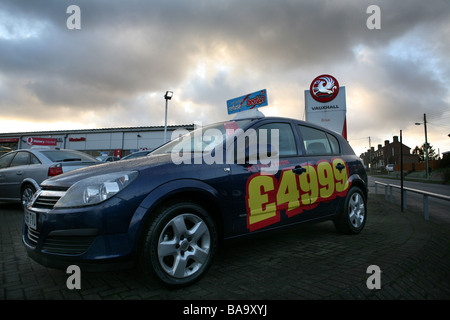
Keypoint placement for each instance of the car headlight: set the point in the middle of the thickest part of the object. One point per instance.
(95, 189)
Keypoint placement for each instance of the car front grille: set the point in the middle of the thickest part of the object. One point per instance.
(33, 236)
(74, 242)
(71, 245)
(47, 199)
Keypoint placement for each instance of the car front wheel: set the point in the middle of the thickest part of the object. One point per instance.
(179, 244)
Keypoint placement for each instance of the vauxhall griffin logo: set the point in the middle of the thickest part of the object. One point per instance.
(324, 88)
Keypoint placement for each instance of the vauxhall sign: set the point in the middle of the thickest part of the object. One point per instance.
(325, 104)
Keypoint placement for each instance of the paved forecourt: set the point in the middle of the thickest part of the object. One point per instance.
(302, 262)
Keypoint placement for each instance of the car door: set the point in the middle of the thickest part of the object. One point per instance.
(327, 172)
(24, 165)
(15, 174)
(264, 194)
(4, 174)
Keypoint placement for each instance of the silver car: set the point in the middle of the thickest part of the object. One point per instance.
(22, 171)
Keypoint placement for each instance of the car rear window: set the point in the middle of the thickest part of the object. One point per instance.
(67, 155)
(318, 142)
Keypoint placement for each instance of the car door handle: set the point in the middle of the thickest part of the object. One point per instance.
(298, 170)
(19, 173)
(340, 166)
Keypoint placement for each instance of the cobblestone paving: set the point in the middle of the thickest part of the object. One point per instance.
(303, 262)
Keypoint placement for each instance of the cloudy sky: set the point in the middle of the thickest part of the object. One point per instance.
(115, 70)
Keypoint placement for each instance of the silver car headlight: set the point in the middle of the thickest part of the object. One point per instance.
(94, 190)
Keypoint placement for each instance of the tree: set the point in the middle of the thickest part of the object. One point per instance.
(422, 155)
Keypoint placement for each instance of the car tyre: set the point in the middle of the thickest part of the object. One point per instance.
(179, 244)
(26, 194)
(352, 218)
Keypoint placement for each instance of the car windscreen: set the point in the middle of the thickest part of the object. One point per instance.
(202, 139)
(67, 155)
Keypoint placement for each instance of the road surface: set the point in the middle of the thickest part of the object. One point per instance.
(438, 209)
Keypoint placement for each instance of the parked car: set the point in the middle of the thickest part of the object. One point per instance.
(23, 170)
(137, 154)
(390, 168)
(107, 158)
(167, 212)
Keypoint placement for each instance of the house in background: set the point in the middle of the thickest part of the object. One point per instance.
(390, 153)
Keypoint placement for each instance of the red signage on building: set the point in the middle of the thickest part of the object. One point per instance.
(9, 139)
(77, 139)
(33, 141)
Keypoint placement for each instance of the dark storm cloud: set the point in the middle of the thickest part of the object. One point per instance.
(127, 48)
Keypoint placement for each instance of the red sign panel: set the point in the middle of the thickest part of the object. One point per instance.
(77, 139)
(324, 88)
(9, 139)
(32, 141)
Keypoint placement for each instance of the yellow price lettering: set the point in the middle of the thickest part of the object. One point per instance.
(288, 194)
(326, 179)
(341, 176)
(308, 184)
(260, 202)
(266, 196)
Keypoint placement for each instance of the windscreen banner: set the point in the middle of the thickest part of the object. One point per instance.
(247, 102)
(325, 104)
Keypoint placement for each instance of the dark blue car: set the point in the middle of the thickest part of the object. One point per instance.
(167, 212)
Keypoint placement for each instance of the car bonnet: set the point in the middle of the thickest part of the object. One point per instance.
(66, 180)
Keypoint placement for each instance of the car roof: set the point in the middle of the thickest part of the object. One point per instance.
(309, 124)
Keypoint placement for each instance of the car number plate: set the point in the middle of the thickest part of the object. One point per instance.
(30, 220)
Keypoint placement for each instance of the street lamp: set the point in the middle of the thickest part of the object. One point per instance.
(167, 96)
(426, 141)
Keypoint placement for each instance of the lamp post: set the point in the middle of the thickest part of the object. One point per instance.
(426, 141)
(167, 96)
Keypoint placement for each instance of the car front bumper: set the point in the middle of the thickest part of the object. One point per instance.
(96, 238)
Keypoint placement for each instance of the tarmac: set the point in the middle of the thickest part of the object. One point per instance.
(304, 262)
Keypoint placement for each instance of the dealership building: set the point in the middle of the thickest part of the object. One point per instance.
(111, 141)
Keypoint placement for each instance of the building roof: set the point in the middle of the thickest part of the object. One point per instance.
(97, 130)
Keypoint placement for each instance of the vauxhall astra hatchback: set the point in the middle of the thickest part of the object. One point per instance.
(167, 212)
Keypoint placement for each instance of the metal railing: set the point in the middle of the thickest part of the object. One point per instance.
(388, 195)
